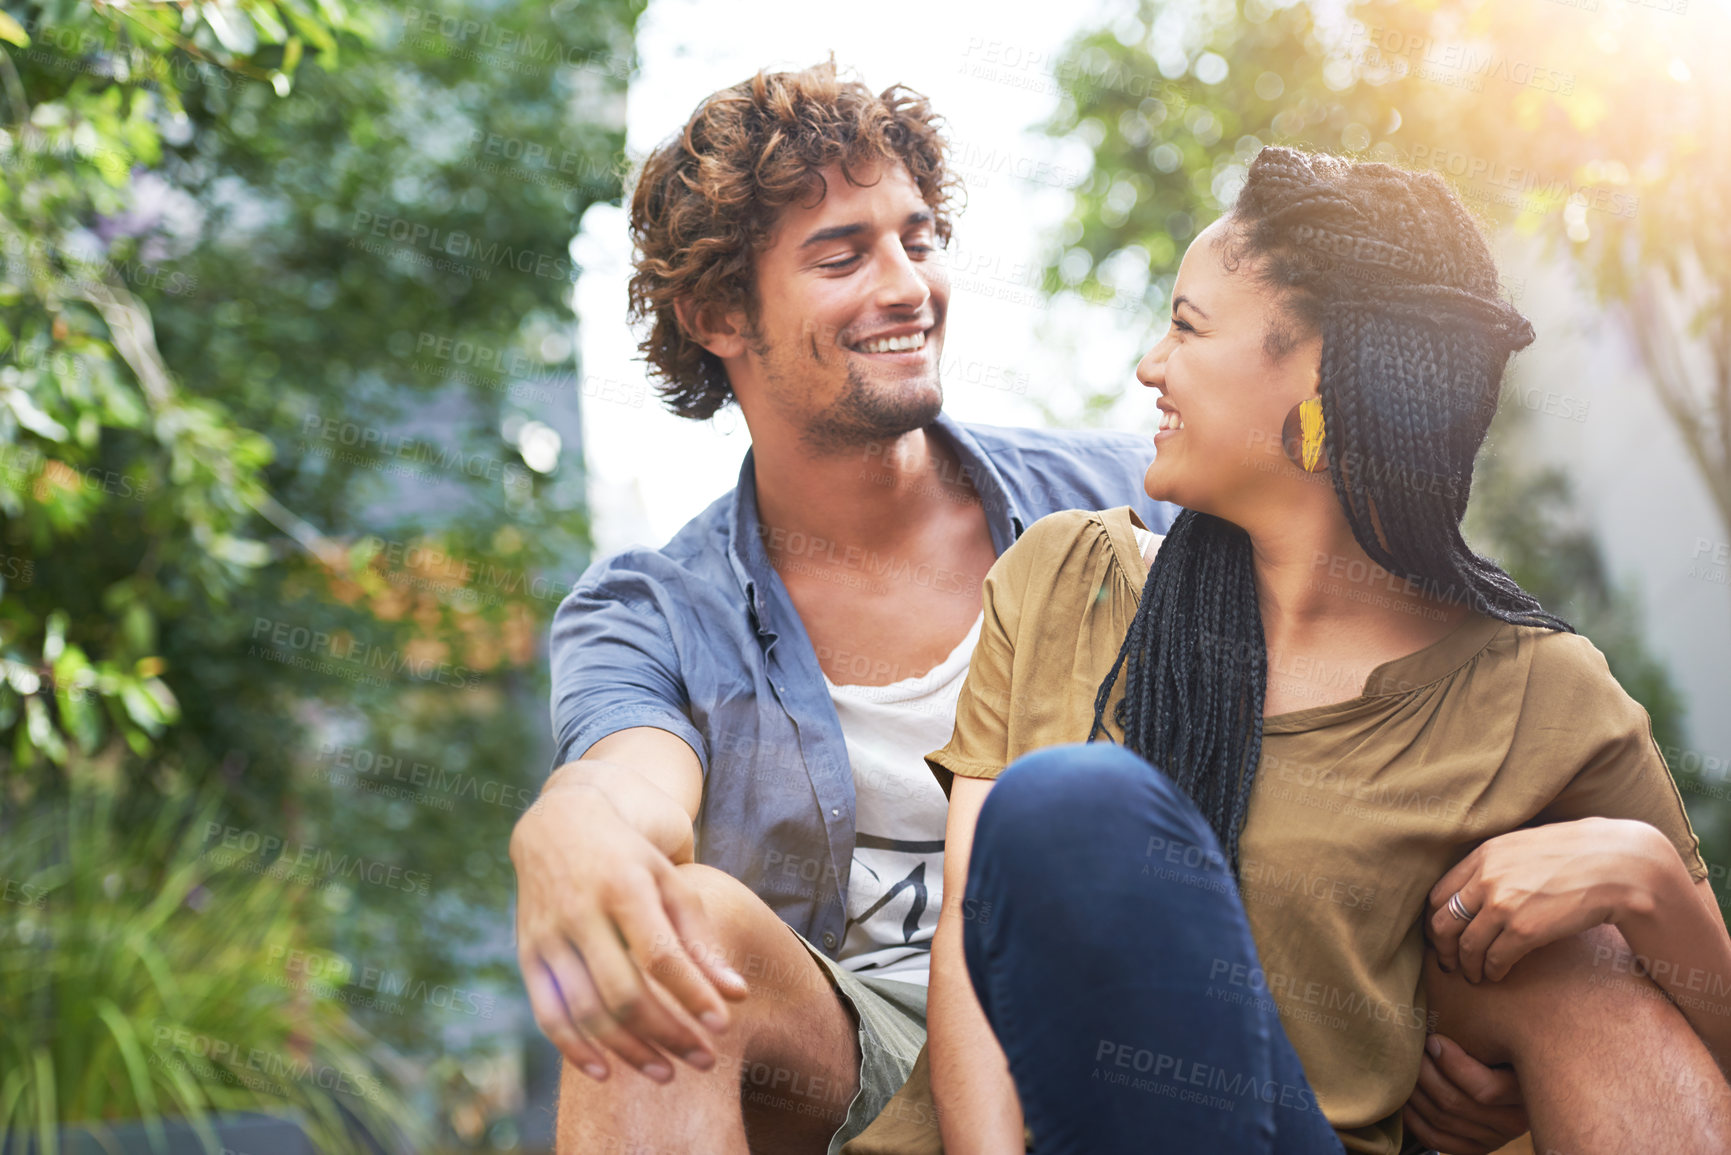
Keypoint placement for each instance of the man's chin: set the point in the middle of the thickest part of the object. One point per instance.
(867, 416)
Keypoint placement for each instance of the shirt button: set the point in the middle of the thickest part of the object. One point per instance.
(835, 811)
(829, 940)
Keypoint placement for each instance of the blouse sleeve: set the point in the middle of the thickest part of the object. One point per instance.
(978, 747)
(1621, 772)
(1062, 558)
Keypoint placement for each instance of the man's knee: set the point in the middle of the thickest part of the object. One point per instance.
(751, 938)
(724, 897)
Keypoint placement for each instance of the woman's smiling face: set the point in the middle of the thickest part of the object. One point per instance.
(1224, 394)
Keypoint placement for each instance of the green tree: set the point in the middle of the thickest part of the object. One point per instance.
(1601, 132)
(1177, 96)
(285, 353)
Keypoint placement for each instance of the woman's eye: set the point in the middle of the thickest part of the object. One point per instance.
(1182, 325)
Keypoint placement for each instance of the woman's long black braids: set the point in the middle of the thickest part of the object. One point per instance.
(1394, 274)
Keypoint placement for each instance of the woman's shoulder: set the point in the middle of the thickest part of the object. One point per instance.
(1561, 674)
(1072, 538)
(1557, 655)
(1070, 560)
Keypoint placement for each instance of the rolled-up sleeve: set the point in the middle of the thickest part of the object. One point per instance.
(615, 663)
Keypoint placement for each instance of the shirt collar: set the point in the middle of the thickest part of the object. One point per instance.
(750, 560)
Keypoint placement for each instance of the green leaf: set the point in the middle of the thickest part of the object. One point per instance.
(239, 550)
(136, 1070)
(47, 1129)
(13, 32)
(33, 418)
(236, 33)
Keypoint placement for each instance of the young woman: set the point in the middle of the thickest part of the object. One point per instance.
(1331, 731)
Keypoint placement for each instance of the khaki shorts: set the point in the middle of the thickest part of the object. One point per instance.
(891, 1016)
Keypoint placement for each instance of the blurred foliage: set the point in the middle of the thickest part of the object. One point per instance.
(285, 353)
(154, 953)
(1590, 130)
(1600, 127)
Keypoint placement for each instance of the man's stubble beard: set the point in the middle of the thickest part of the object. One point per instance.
(862, 416)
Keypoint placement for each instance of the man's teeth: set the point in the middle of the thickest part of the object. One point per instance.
(1170, 420)
(908, 344)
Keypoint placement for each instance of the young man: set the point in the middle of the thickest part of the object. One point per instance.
(742, 715)
(742, 826)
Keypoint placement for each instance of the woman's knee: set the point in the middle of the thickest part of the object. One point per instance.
(1095, 790)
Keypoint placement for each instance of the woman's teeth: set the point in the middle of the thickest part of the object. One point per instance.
(908, 344)
(1170, 420)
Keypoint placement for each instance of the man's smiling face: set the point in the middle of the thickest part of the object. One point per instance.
(850, 314)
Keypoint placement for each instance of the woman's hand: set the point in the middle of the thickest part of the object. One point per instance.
(1530, 887)
(1462, 1106)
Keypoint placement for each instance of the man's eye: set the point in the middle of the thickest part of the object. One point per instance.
(845, 262)
(922, 250)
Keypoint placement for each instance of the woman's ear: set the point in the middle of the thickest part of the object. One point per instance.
(722, 334)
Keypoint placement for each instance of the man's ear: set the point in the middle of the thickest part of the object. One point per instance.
(722, 334)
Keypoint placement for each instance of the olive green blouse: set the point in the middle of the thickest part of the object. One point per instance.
(1359, 806)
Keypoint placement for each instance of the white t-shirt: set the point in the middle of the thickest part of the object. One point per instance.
(1143, 538)
(896, 887)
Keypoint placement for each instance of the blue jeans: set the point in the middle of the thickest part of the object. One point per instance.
(1108, 946)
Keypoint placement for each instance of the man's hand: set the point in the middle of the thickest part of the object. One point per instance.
(611, 940)
(1461, 1106)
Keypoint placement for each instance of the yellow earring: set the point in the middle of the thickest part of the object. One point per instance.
(1310, 432)
(1301, 435)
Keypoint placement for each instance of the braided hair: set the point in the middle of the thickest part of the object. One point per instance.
(1394, 274)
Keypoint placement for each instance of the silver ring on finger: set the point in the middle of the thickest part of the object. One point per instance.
(1459, 909)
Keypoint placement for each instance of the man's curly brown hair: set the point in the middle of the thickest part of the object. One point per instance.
(706, 202)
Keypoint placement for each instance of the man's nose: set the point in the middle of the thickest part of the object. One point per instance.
(902, 285)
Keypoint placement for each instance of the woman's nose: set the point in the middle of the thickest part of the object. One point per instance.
(1151, 369)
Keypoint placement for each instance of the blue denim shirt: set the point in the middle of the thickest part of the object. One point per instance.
(700, 639)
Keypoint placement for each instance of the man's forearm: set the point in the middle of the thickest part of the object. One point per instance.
(979, 1112)
(638, 802)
